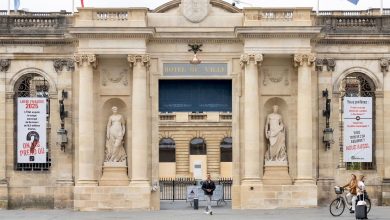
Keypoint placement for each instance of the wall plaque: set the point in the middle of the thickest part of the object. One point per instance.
(203, 69)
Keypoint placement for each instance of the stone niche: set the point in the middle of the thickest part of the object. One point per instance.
(276, 172)
(113, 173)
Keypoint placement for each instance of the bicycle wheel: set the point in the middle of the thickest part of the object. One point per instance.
(368, 204)
(337, 207)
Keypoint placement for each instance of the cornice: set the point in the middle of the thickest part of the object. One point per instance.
(277, 32)
(37, 41)
(112, 32)
(352, 41)
(191, 40)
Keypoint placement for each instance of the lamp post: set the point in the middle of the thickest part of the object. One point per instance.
(328, 131)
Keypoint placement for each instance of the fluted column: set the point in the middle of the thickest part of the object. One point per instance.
(4, 65)
(304, 62)
(139, 143)
(250, 64)
(86, 148)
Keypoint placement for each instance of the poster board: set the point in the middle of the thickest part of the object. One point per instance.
(31, 134)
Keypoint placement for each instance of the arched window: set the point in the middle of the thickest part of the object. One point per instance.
(198, 147)
(167, 150)
(32, 85)
(357, 85)
(226, 149)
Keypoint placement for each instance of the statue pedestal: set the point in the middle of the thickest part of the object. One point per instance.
(276, 173)
(114, 174)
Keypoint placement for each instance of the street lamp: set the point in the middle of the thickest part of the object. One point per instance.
(328, 132)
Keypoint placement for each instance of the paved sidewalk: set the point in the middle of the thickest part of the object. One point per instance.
(180, 210)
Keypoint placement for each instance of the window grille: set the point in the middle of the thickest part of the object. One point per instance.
(198, 147)
(167, 150)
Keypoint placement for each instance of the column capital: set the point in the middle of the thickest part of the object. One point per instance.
(384, 65)
(143, 59)
(4, 65)
(245, 58)
(59, 64)
(90, 59)
(300, 59)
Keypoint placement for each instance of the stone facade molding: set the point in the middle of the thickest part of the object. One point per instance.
(90, 59)
(144, 59)
(60, 63)
(300, 59)
(4, 65)
(384, 63)
(245, 58)
(330, 64)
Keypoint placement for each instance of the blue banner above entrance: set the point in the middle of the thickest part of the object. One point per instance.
(195, 96)
(203, 69)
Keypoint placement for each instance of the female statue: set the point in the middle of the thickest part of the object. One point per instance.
(275, 133)
(115, 151)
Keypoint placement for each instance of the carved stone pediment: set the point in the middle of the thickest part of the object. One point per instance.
(195, 10)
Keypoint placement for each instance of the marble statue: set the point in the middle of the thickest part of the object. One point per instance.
(115, 151)
(275, 133)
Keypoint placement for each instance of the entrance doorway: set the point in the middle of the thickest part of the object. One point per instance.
(195, 115)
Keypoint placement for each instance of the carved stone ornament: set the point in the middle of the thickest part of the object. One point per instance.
(144, 59)
(195, 10)
(4, 65)
(60, 63)
(300, 59)
(384, 65)
(275, 75)
(255, 57)
(90, 59)
(330, 64)
(319, 64)
(116, 77)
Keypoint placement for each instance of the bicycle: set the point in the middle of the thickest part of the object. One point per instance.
(337, 206)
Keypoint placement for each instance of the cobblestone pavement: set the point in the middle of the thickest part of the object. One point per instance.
(181, 210)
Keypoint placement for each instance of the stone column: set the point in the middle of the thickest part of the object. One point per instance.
(86, 148)
(384, 63)
(4, 65)
(304, 62)
(139, 120)
(251, 133)
(63, 193)
(325, 68)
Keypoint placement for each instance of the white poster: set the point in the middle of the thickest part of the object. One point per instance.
(31, 130)
(357, 117)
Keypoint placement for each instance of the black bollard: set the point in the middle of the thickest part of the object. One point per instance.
(196, 203)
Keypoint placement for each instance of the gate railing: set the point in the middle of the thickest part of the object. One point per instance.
(176, 188)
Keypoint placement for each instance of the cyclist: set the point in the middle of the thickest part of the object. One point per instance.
(352, 187)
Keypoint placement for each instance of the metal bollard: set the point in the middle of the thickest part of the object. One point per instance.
(196, 203)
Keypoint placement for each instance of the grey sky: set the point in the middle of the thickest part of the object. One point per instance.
(57, 5)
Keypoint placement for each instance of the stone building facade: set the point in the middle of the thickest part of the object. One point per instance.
(104, 57)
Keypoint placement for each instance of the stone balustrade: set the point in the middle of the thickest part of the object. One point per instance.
(33, 23)
(354, 24)
(111, 17)
(108, 15)
(195, 117)
(277, 16)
